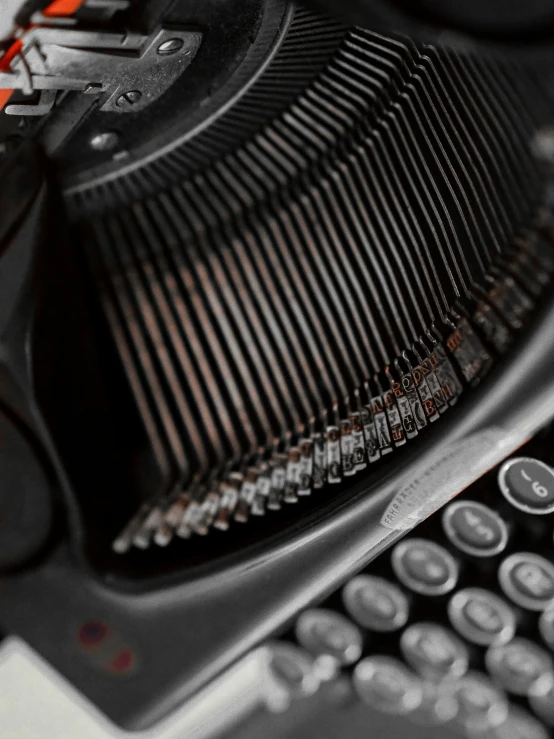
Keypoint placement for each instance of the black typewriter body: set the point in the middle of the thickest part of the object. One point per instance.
(277, 301)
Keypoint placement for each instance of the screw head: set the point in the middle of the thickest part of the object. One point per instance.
(170, 46)
(128, 99)
(105, 141)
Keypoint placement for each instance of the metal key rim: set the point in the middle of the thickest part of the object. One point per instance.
(416, 585)
(457, 668)
(520, 599)
(454, 539)
(354, 586)
(472, 633)
(506, 492)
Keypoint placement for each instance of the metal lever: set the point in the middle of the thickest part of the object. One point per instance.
(60, 58)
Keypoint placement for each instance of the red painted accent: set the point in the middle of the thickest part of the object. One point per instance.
(56, 9)
(62, 8)
(92, 633)
(123, 662)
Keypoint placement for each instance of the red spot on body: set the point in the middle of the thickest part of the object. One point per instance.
(123, 662)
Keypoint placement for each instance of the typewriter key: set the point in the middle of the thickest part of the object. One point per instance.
(434, 652)
(528, 579)
(375, 603)
(424, 567)
(292, 669)
(518, 665)
(482, 706)
(475, 528)
(481, 617)
(528, 484)
(386, 684)
(331, 638)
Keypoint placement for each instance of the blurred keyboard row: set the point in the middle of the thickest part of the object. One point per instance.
(452, 627)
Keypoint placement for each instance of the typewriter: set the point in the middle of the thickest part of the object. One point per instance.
(277, 363)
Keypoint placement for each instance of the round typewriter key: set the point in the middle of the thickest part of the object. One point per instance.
(541, 699)
(437, 707)
(482, 706)
(425, 567)
(521, 725)
(546, 627)
(331, 638)
(528, 579)
(528, 485)
(434, 652)
(292, 670)
(518, 665)
(375, 603)
(474, 528)
(481, 617)
(386, 684)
